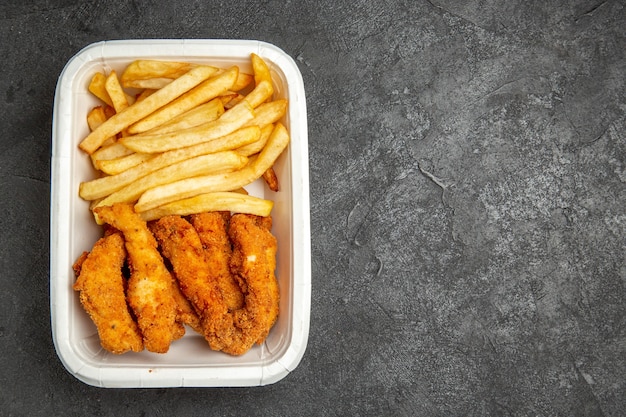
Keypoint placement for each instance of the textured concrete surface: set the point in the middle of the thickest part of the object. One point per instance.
(467, 187)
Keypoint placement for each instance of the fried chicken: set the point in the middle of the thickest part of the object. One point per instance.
(150, 285)
(222, 283)
(102, 294)
(185, 312)
(181, 245)
(212, 228)
(254, 262)
(202, 278)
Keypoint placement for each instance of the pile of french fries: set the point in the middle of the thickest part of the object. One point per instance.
(177, 138)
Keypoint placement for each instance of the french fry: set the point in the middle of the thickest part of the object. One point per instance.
(135, 112)
(270, 178)
(199, 165)
(144, 93)
(151, 83)
(123, 163)
(243, 80)
(228, 97)
(236, 99)
(157, 74)
(261, 93)
(264, 88)
(97, 88)
(116, 93)
(269, 112)
(96, 117)
(204, 92)
(178, 190)
(110, 151)
(257, 146)
(228, 122)
(201, 114)
(260, 69)
(102, 187)
(147, 69)
(235, 202)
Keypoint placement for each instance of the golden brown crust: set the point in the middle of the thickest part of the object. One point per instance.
(180, 243)
(212, 228)
(150, 284)
(254, 261)
(102, 295)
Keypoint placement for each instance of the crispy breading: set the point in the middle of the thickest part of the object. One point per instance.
(254, 261)
(150, 284)
(185, 313)
(102, 294)
(181, 245)
(212, 228)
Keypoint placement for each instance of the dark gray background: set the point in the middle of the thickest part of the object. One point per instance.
(467, 204)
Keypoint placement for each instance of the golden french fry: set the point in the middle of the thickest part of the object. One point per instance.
(110, 151)
(261, 93)
(264, 88)
(97, 88)
(270, 178)
(276, 144)
(234, 100)
(235, 202)
(144, 93)
(257, 146)
(204, 92)
(178, 190)
(228, 97)
(135, 112)
(160, 77)
(260, 69)
(228, 122)
(151, 83)
(123, 163)
(201, 114)
(147, 69)
(102, 187)
(199, 165)
(96, 117)
(115, 91)
(269, 112)
(239, 190)
(243, 80)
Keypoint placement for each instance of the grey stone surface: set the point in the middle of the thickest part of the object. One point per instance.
(467, 204)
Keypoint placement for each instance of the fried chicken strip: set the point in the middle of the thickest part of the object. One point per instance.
(101, 286)
(212, 228)
(150, 285)
(254, 262)
(185, 312)
(181, 245)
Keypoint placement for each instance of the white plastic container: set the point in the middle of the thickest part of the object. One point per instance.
(189, 362)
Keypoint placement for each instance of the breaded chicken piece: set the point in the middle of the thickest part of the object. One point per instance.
(185, 312)
(212, 228)
(102, 294)
(181, 245)
(150, 285)
(254, 261)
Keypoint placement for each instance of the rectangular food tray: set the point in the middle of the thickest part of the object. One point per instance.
(190, 362)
